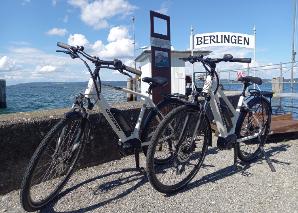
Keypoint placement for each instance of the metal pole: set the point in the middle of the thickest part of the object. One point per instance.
(134, 41)
(293, 45)
(192, 52)
(281, 81)
(254, 30)
(191, 40)
(134, 80)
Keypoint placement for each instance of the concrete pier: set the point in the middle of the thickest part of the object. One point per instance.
(2, 93)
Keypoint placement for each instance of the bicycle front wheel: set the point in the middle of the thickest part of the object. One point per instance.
(254, 121)
(154, 118)
(52, 163)
(188, 133)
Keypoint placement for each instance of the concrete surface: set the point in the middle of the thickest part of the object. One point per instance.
(116, 187)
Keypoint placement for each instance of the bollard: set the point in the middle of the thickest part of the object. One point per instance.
(135, 87)
(277, 84)
(2, 93)
(130, 87)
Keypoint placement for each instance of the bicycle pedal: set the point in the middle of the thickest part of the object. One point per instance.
(226, 143)
(128, 147)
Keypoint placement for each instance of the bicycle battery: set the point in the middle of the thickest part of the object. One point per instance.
(227, 116)
(122, 121)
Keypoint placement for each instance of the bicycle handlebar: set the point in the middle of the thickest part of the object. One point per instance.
(133, 70)
(64, 46)
(226, 58)
(80, 49)
(241, 60)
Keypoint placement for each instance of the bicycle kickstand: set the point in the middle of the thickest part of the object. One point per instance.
(137, 159)
(236, 157)
(268, 160)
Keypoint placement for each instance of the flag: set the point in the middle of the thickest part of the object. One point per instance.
(240, 74)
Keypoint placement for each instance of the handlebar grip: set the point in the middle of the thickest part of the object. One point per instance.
(62, 45)
(133, 70)
(241, 60)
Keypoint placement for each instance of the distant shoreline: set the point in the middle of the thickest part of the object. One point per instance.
(55, 82)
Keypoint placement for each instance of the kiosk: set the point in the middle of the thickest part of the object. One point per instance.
(177, 69)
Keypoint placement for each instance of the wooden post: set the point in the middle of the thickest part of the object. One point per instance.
(129, 86)
(135, 87)
(2, 93)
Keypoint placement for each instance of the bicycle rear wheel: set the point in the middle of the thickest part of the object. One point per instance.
(256, 119)
(188, 134)
(52, 163)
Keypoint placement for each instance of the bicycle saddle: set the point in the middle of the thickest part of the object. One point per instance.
(248, 79)
(156, 81)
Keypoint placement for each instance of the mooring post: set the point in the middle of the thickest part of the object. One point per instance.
(135, 87)
(130, 87)
(2, 93)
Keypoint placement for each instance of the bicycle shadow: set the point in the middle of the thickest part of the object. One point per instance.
(275, 150)
(140, 178)
(232, 170)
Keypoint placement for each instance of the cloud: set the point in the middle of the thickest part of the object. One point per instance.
(30, 64)
(24, 50)
(118, 49)
(6, 64)
(77, 40)
(117, 33)
(47, 69)
(57, 32)
(96, 13)
(164, 8)
(119, 45)
(98, 46)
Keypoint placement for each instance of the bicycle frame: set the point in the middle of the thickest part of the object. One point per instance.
(104, 108)
(214, 104)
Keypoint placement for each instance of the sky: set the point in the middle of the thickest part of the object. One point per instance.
(29, 30)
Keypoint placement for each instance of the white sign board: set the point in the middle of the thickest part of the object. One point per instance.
(223, 39)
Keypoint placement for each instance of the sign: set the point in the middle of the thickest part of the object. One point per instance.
(160, 37)
(223, 39)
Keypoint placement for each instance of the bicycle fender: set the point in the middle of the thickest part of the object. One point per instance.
(262, 99)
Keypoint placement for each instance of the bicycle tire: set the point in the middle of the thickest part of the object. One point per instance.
(151, 123)
(28, 203)
(190, 149)
(250, 150)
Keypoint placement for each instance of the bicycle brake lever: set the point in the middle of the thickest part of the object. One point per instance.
(63, 51)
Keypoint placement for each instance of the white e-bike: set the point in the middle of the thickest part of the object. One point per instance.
(55, 158)
(187, 128)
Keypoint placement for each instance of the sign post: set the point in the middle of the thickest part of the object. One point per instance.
(160, 52)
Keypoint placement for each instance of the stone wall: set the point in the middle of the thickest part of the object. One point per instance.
(20, 134)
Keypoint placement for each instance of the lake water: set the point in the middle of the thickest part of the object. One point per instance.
(39, 96)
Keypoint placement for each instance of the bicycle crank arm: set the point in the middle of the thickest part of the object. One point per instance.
(248, 137)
